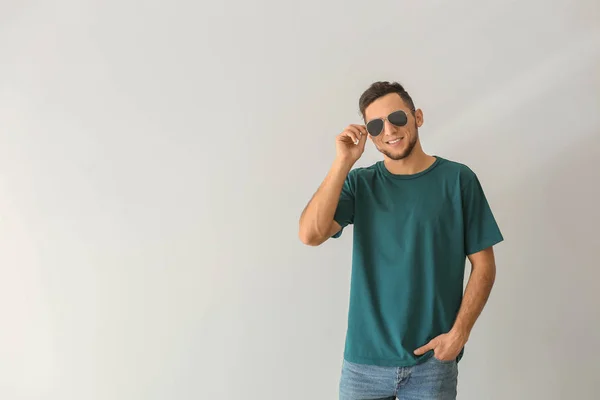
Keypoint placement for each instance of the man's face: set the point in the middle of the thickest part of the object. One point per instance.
(396, 142)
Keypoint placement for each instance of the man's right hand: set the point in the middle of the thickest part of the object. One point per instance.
(350, 144)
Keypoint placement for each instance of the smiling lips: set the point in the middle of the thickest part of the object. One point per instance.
(394, 141)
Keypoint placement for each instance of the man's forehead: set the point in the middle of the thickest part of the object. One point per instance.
(385, 105)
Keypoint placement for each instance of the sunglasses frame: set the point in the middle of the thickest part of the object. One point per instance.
(383, 119)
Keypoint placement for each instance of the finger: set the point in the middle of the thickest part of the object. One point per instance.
(362, 140)
(361, 128)
(362, 133)
(352, 135)
(424, 349)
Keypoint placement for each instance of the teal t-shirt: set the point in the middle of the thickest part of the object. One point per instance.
(412, 234)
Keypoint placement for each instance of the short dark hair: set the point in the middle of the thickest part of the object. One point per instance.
(380, 89)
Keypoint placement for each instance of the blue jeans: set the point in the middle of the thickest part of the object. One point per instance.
(431, 380)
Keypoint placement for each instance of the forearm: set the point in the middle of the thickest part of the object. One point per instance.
(475, 297)
(317, 216)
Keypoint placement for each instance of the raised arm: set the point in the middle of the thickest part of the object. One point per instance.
(317, 223)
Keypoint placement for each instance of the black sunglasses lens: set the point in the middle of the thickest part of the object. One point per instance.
(398, 118)
(375, 127)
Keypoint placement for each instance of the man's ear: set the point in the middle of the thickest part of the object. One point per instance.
(419, 117)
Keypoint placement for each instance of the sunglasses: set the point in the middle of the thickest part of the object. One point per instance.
(375, 126)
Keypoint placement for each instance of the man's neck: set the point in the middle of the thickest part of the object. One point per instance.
(416, 162)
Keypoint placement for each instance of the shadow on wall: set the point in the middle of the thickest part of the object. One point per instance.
(546, 297)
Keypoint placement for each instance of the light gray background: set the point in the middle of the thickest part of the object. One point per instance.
(155, 157)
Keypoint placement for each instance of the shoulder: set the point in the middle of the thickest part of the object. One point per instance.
(360, 176)
(457, 170)
(364, 171)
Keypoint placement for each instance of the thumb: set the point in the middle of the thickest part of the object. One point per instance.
(424, 349)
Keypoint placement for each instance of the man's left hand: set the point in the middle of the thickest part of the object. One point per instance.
(446, 347)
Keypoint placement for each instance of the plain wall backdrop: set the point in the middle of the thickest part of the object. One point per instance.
(155, 158)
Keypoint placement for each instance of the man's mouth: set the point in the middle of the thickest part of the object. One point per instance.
(394, 141)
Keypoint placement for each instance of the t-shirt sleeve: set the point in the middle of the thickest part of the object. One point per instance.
(344, 213)
(481, 228)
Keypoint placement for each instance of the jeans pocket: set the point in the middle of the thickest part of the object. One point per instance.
(443, 361)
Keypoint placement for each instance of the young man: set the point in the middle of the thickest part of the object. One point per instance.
(417, 218)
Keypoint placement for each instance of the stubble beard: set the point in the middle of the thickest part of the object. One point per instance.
(406, 152)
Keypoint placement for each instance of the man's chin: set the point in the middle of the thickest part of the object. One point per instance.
(399, 155)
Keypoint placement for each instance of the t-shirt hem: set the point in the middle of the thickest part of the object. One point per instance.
(342, 225)
(485, 245)
(384, 362)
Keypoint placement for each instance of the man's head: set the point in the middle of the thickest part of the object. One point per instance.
(395, 136)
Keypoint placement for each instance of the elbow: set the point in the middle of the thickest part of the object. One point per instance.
(310, 239)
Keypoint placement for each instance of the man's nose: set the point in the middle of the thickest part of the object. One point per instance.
(388, 128)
